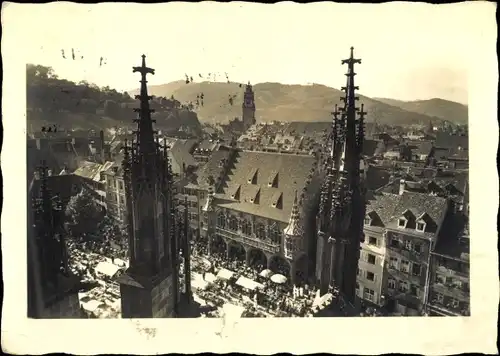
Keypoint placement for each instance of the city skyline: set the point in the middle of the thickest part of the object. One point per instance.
(430, 64)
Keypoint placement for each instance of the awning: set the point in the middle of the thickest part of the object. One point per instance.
(210, 277)
(278, 278)
(225, 274)
(266, 273)
(248, 283)
(107, 268)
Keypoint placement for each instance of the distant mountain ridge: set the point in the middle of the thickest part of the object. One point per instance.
(436, 107)
(309, 103)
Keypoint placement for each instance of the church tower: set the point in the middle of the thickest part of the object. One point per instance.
(149, 288)
(248, 107)
(52, 288)
(342, 203)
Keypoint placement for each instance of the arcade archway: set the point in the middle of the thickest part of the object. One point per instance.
(218, 246)
(257, 259)
(301, 265)
(236, 252)
(278, 264)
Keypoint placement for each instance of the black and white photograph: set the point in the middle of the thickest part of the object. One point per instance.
(236, 161)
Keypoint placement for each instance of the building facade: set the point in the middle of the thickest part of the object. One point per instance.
(52, 288)
(342, 205)
(149, 287)
(262, 211)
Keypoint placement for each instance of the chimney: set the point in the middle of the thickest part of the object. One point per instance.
(401, 186)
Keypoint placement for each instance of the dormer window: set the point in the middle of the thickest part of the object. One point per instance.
(402, 222)
(255, 199)
(273, 181)
(421, 226)
(252, 177)
(368, 221)
(277, 200)
(236, 193)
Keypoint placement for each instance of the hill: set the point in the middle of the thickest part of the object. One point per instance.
(275, 101)
(440, 108)
(54, 101)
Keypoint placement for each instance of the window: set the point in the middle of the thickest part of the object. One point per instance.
(402, 223)
(440, 279)
(368, 221)
(120, 185)
(274, 233)
(202, 195)
(454, 303)
(370, 276)
(369, 294)
(391, 283)
(357, 285)
(393, 262)
(372, 240)
(360, 272)
(403, 286)
(395, 242)
(439, 297)
(416, 269)
(408, 245)
(371, 259)
(414, 290)
(405, 266)
(421, 226)
(458, 284)
(260, 231)
(246, 227)
(417, 248)
(233, 223)
(221, 220)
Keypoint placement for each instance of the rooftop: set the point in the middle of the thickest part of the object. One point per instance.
(390, 207)
(262, 178)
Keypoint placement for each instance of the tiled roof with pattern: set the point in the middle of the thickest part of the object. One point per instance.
(293, 171)
(390, 207)
(213, 166)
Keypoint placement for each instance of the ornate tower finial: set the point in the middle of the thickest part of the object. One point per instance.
(145, 132)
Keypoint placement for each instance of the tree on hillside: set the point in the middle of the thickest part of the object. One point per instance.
(83, 215)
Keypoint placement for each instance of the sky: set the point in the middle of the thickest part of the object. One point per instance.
(408, 51)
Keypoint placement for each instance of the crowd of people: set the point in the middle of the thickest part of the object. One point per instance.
(270, 300)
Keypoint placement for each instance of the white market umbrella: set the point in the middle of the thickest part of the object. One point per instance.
(278, 278)
(266, 273)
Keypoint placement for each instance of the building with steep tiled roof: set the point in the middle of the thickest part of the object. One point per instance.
(400, 231)
(449, 282)
(253, 205)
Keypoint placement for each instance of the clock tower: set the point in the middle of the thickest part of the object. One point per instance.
(248, 107)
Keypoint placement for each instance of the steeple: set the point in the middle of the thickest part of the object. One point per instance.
(341, 213)
(294, 227)
(151, 221)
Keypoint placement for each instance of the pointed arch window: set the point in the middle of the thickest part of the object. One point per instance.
(260, 231)
(274, 233)
(246, 227)
(233, 223)
(221, 220)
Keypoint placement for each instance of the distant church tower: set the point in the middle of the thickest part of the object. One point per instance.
(149, 288)
(342, 204)
(248, 107)
(52, 288)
